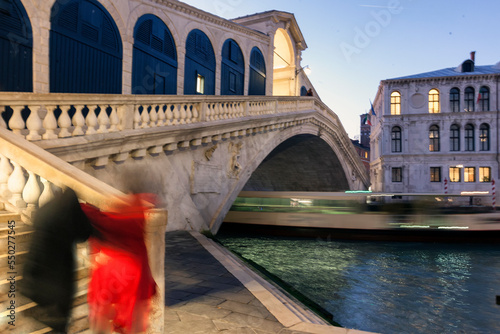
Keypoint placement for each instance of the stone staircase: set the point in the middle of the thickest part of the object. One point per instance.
(24, 316)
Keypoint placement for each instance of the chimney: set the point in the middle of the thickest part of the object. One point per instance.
(473, 56)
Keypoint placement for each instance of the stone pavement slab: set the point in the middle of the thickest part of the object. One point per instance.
(209, 290)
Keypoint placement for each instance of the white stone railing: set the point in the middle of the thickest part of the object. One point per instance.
(30, 176)
(51, 116)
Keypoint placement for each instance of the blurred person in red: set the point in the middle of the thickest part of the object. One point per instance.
(121, 284)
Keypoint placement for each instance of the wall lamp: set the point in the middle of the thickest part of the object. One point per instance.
(306, 70)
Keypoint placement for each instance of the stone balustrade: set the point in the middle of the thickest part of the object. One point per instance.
(52, 116)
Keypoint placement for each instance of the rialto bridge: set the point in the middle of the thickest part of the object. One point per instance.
(197, 153)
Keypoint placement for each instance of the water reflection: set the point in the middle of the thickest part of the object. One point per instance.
(387, 287)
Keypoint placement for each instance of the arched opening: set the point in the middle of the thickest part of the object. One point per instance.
(199, 73)
(154, 64)
(301, 163)
(284, 77)
(232, 69)
(16, 48)
(257, 81)
(85, 49)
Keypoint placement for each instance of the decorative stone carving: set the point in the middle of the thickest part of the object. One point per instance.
(209, 153)
(234, 165)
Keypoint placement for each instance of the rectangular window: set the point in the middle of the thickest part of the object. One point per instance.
(484, 174)
(200, 84)
(455, 173)
(469, 174)
(435, 174)
(397, 174)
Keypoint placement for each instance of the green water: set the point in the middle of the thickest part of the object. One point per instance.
(387, 287)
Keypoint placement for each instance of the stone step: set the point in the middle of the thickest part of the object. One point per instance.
(20, 241)
(6, 216)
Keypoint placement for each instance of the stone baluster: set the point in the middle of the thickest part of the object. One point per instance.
(16, 184)
(50, 123)
(153, 116)
(161, 115)
(210, 112)
(169, 115)
(34, 124)
(196, 113)
(189, 113)
(64, 122)
(145, 117)
(114, 120)
(137, 117)
(16, 122)
(2, 121)
(91, 119)
(31, 192)
(47, 193)
(177, 114)
(218, 111)
(103, 120)
(5, 171)
(182, 114)
(78, 120)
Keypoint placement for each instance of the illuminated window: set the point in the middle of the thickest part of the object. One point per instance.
(469, 174)
(455, 174)
(469, 137)
(484, 137)
(435, 174)
(200, 84)
(395, 103)
(454, 138)
(469, 99)
(396, 139)
(433, 101)
(397, 174)
(484, 99)
(455, 100)
(484, 174)
(434, 138)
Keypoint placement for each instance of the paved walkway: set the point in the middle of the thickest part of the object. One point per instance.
(209, 290)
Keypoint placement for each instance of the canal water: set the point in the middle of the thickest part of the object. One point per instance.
(386, 287)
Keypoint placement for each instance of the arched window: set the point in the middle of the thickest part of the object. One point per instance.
(16, 48)
(199, 72)
(469, 99)
(469, 137)
(434, 138)
(484, 137)
(396, 139)
(484, 99)
(303, 91)
(154, 61)
(233, 69)
(433, 101)
(455, 100)
(85, 49)
(454, 138)
(257, 81)
(395, 103)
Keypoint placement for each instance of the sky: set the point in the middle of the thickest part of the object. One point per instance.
(354, 44)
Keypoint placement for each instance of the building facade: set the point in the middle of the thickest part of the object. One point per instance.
(146, 47)
(437, 132)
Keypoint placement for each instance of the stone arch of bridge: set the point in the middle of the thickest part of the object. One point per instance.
(307, 132)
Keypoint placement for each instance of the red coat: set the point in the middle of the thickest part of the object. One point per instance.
(121, 284)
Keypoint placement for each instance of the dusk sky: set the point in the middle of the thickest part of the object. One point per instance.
(354, 44)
